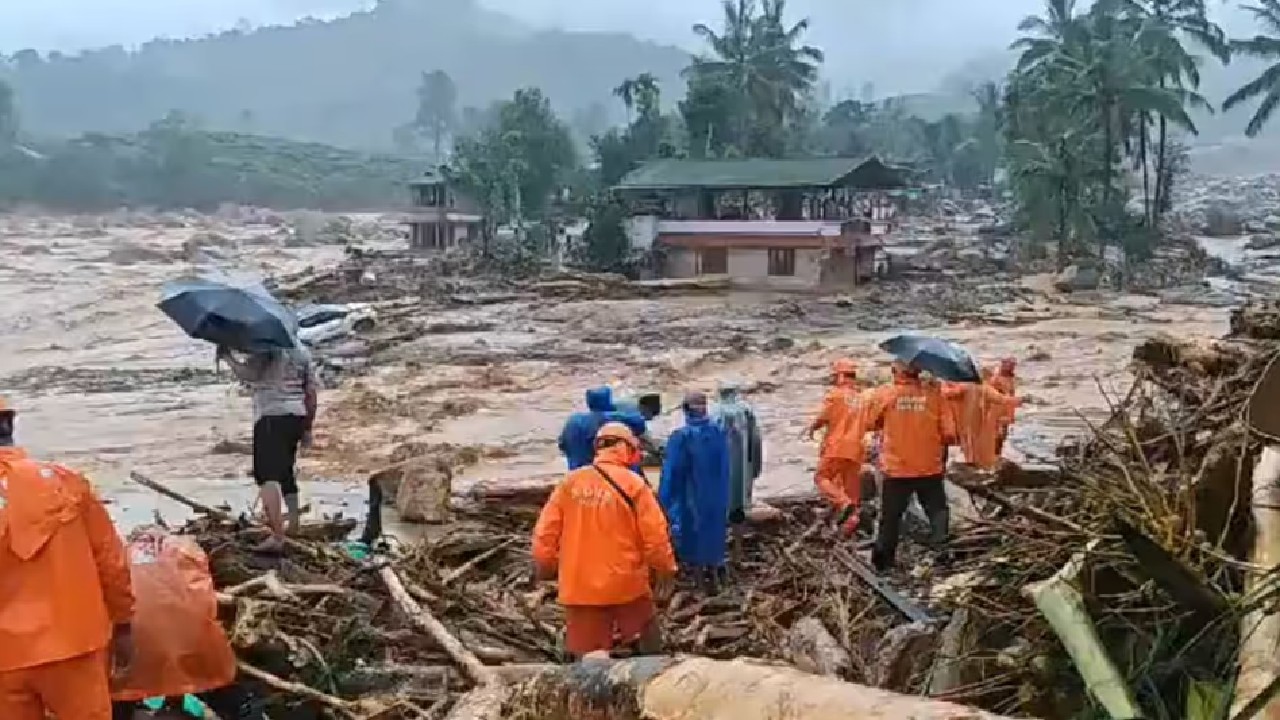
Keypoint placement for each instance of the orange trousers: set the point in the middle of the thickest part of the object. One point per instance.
(840, 482)
(75, 689)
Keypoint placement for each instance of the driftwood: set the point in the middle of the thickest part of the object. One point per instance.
(428, 623)
(172, 494)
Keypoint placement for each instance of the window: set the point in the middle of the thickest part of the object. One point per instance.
(713, 261)
(782, 262)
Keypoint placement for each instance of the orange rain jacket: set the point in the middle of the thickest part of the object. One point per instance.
(844, 415)
(1006, 384)
(604, 546)
(978, 413)
(64, 578)
(915, 428)
(179, 646)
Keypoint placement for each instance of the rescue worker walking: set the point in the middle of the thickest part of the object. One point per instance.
(843, 416)
(604, 536)
(285, 391)
(746, 447)
(1006, 382)
(66, 602)
(695, 493)
(577, 439)
(915, 431)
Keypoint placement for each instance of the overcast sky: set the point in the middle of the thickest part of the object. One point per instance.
(898, 42)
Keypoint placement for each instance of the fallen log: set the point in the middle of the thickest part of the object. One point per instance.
(657, 688)
(425, 621)
(1260, 627)
(1061, 604)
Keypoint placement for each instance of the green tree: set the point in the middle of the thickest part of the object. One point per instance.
(1266, 87)
(640, 92)
(437, 114)
(518, 166)
(8, 116)
(764, 69)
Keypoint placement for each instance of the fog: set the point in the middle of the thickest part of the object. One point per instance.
(898, 46)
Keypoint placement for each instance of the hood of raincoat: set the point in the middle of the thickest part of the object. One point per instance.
(37, 503)
(600, 399)
(696, 417)
(730, 392)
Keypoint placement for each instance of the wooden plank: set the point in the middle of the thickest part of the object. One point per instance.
(910, 610)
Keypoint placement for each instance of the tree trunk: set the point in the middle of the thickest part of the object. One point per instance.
(658, 688)
(1148, 210)
(1163, 182)
(1260, 628)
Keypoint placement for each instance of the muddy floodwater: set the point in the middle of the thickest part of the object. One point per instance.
(107, 384)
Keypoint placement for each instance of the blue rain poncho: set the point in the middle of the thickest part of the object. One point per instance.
(746, 448)
(695, 491)
(578, 438)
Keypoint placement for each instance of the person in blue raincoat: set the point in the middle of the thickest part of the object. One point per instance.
(578, 438)
(695, 493)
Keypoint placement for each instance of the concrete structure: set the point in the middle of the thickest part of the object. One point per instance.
(439, 217)
(783, 224)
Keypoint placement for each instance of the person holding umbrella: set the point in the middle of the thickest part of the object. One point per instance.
(915, 429)
(284, 406)
(278, 370)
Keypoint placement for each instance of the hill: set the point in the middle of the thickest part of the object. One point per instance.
(172, 165)
(346, 82)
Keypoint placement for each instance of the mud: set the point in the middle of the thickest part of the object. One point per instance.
(106, 383)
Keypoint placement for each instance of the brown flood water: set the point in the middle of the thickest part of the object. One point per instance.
(107, 384)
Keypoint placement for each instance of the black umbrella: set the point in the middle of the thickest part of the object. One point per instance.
(238, 318)
(944, 359)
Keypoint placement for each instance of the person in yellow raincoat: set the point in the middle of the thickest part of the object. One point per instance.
(180, 647)
(843, 417)
(66, 603)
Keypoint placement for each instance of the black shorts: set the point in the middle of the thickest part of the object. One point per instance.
(275, 450)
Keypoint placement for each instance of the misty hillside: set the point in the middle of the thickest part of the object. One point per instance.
(348, 81)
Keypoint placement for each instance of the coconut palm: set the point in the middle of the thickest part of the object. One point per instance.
(641, 91)
(1267, 85)
(760, 58)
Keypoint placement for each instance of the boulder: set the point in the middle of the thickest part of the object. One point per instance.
(1075, 278)
(1262, 241)
(426, 487)
(1222, 222)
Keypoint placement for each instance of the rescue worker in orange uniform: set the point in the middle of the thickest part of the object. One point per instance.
(602, 533)
(843, 416)
(1006, 382)
(979, 413)
(66, 603)
(915, 430)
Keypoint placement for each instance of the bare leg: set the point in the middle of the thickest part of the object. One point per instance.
(272, 505)
(293, 515)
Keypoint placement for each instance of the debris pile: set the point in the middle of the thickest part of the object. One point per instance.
(327, 634)
(1137, 547)
(1223, 206)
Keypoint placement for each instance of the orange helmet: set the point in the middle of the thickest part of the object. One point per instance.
(617, 431)
(1008, 365)
(844, 366)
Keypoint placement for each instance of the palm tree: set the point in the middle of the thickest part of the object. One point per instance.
(1266, 85)
(1174, 66)
(760, 58)
(640, 91)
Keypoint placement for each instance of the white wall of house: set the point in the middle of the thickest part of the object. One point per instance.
(642, 230)
(750, 268)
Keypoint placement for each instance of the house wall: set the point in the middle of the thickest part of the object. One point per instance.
(750, 268)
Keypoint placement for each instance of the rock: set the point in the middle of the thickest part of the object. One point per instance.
(778, 344)
(426, 487)
(1272, 222)
(1075, 278)
(813, 650)
(1222, 222)
(1262, 241)
(760, 513)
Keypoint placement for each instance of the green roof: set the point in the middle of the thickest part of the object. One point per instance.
(762, 174)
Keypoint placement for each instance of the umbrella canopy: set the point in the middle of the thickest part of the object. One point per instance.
(239, 318)
(944, 359)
